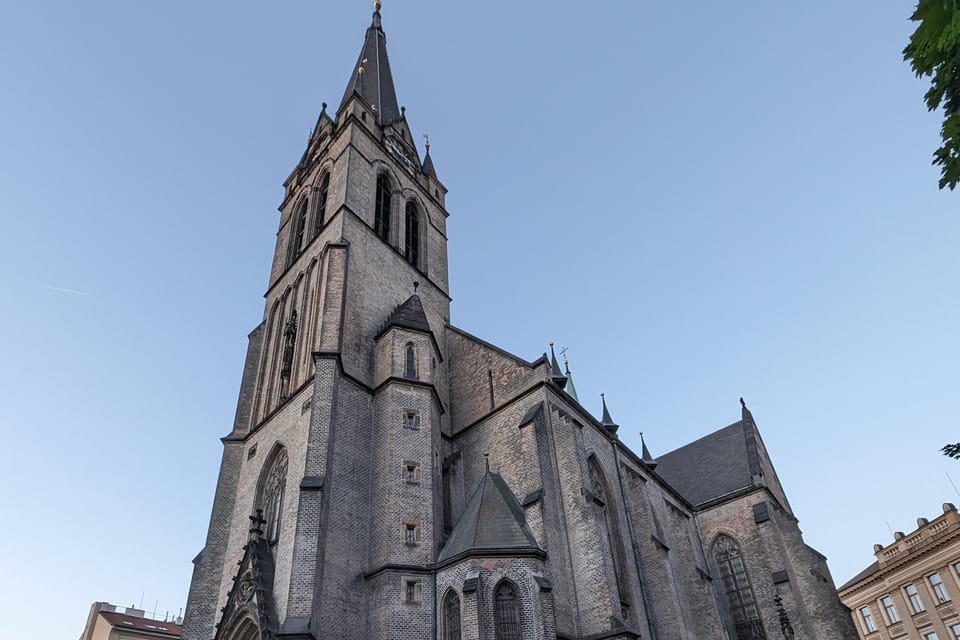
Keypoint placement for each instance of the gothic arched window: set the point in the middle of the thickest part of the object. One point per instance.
(299, 229)
(271, 494)
(451, 616)
(413, 235)
(381, 220)
(410, 362)
(736, 584)
(506, 611)
(322, 189)
(609, 524)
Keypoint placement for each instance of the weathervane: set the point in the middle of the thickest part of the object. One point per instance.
(426, 137)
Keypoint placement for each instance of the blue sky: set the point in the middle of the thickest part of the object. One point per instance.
(701, 202)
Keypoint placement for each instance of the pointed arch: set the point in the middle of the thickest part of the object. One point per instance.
(451, 615)
(298, 230)
(381, 218)
(610, 526)
(410, 361)
(744, 615)
(243, 629)
(506, 610)
(412, 234)
(271, 488)
(321, 191)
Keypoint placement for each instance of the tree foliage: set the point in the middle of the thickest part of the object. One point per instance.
(934, 52)
(952, 450)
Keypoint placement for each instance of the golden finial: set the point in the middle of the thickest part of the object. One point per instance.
(360, 68)
(426, 137)
(376, 5)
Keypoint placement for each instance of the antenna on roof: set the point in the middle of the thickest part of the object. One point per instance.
(952, 484)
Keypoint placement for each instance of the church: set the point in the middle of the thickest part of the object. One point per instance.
(391, 476)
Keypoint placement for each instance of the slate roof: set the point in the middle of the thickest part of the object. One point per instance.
(409, 315)
(492, 520)
(713, 466)
(863, 575)
(146, 625)
(427, 167)
(375, 83)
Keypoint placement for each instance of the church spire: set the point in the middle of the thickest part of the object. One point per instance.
(371, 78)
(607, 422)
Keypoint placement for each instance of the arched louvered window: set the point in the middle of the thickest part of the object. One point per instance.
(506, 611)
(609, 524)
(410, 363)
(271, 494)
(413, 235)
(322, 189)
(742, 606)
(451, 616)
(299, 230)
(381, 220)
(246, 629)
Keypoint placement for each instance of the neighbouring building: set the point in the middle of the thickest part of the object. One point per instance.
(911, 590)
(110, 622)
(389, 475)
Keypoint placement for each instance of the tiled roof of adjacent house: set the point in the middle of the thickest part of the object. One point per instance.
(146, 625)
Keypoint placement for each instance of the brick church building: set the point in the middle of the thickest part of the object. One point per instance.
(390, 476)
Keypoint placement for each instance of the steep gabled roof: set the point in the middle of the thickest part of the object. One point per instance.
(492, 521)
(711, 467)
(371, 78)
(408, 315)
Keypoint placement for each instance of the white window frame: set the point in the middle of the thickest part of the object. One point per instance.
(867, 617)
(890, 609)
(939, 589)
(916, 602)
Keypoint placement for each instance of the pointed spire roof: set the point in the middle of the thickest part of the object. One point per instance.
(492, 521)
(645, 453)
(409, 315)
(427, 166)
(556, 375)
(607, 422)
(570, 388)
(371, 78)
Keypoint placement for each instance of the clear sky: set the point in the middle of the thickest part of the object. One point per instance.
(701, 201)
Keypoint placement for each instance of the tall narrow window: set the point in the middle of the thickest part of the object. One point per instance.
(742, 605)
(381, 220)
(506, 612)
(321, 205)
(299, 229)
(890, 609)
(609, 526)
(271, 499)
(939, 589)
(413, 235)
(451, 616)
(867, 616)
(913, 597)
(410, 364)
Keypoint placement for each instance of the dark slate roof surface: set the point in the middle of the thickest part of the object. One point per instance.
(409, 315)
(863, 575)
(711, 467)
(492, 520)
(375, 84)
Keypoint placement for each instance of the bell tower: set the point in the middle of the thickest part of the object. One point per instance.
(335, 448)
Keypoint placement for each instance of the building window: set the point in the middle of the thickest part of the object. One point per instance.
(890, 609)
(299, 228)
(411, 419)
(410, 362)
(913, 597)
(506, 612)
(955, 630)
(451, 616)
(931, 635)
(411, 472)
(939, 589)
(411, 533)
(381, 220)
(322, 190)
(271, 499)
(740, 601)
(411, 591)
(413, 235)
(867, 617)
(608, 523)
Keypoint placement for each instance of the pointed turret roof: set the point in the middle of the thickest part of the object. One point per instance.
(427, 166)
(492, 521)
(409, 315)
(645, 453)
(607, 422)
(371, 78)
(556, 375)
(570, 388)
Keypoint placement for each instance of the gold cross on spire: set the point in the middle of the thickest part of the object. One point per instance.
(376, 5)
